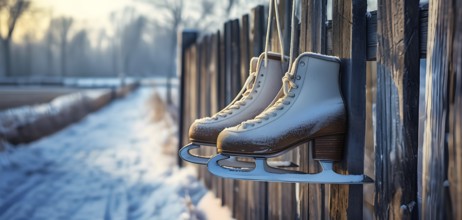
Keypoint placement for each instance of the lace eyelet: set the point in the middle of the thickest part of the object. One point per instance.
(298, 77)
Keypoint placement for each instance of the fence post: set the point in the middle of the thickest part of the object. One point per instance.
(397, 109)
(349, 43)
(436, 203)
(187, 38)
(313, 38)
(455, 122)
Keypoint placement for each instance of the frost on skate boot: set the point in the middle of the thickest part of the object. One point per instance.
(312, 109)
(257, 93)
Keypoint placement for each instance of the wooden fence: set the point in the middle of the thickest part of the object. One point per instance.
(380, 52)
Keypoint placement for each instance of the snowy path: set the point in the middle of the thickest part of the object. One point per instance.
(110, 165)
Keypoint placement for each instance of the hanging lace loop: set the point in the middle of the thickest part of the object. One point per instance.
(245, 93)
(272, 4)
(287, 82)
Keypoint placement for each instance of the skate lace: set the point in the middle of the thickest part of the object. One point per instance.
(241, 99)
(287, 81)
(287, 84)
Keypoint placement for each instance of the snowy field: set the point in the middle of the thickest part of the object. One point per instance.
(111, 165)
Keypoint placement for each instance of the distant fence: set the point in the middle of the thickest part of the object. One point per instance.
(214, 67)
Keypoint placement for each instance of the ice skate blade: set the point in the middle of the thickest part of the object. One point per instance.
(185, 154)
(230, 162)
(264, 172)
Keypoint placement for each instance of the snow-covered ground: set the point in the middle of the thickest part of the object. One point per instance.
(111, 165)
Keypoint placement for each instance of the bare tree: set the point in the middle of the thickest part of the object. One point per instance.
(230, 5)
(49, 44)
(129, 28)
(174, 14)
(59, 31)
(61, 27)
(79, 52)
(13, 9)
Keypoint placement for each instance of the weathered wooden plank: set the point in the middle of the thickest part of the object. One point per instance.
(245, 47)
(257, 31)
(349, 43)
(455, 122)
(313, 38)
(281, 196)
(372, 33)
(214, 88)
(228, 54)
(187, 39)
(197, 100)
(397, 109)
(235, 59)
(369, 151)
(257, 204)
(423, 29)
(223, 103)
(313, 35)
(243, 187)
(233, 85)
(435, 200)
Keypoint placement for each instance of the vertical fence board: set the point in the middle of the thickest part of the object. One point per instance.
(223, 99)
(281, 196)
(197, 87)
(243, 187)
(455, 122)
(313, 38)
(245, 47)
(257, 196)
(257, 31)
(228, 184)
(440, 32)
(397, 108)
(349, 43)
(214, 92)
(187, 39)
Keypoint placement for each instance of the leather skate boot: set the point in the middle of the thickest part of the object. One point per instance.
(258, 92)
(312, 109)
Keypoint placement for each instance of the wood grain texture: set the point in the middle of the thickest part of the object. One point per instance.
(257, 31)
(397, 109)
(435, 197)
(455, 121)
(313, 38)
(349, 43)
(243, 187)
(281, 196)
(188, 38)
(233, 81)
(372, 33)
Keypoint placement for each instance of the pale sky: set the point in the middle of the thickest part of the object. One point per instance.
(93, 15)
(88, 14)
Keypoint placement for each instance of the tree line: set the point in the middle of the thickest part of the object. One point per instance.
(135, 44)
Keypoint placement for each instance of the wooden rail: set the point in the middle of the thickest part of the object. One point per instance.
(388, 43)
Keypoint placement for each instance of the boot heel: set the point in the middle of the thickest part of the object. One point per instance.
(328, 148)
